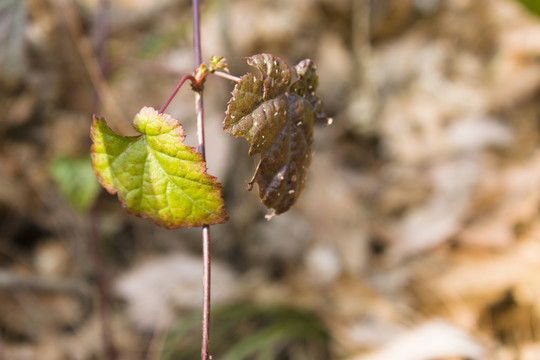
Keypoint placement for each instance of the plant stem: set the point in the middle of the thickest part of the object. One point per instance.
(197, 33)
(205, 341)
(227, 76)
(175, 91)
(199, 106)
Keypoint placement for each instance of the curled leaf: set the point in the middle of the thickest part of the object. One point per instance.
(275, 113)
(154, 174)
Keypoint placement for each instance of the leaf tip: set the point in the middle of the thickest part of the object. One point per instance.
(270, 215)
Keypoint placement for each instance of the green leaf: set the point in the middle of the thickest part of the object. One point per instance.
(276, 113)
(155, 174)
(75, 180)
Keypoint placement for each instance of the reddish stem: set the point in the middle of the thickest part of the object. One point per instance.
(175, 91)
(206, 229)
(205, 341)
(197, 33)
(227, 76)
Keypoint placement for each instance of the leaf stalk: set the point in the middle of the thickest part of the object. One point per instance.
(175, 91)
(227, 76)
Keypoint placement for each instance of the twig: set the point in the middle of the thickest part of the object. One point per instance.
(199, 106)
(85, 50)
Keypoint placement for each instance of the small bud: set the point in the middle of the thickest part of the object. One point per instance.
(218, 63)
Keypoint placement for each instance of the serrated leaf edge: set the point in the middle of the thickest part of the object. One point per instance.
(291, 78)
(220, 217)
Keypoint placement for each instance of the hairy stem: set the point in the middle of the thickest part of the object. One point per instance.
(199, 106)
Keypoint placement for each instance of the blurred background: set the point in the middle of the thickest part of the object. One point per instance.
(417, 236)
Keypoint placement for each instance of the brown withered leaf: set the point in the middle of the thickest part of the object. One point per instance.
(276, 113)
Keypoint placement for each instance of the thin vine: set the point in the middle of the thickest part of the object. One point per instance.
(158, 177)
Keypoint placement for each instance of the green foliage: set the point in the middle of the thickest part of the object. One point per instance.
(155, 174)
(532, 5)
(276, 113)
(247, 331)
(75, 180)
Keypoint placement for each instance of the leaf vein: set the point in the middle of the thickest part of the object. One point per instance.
(194, 202)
